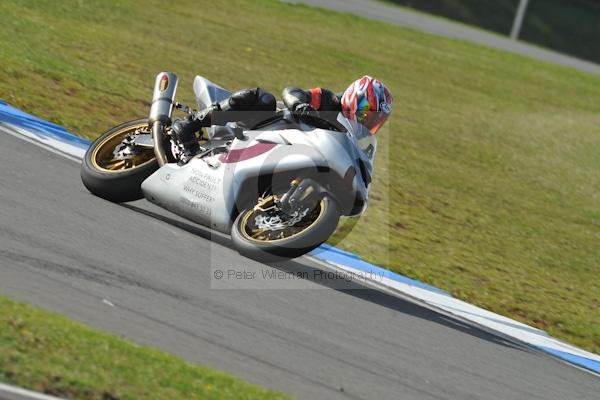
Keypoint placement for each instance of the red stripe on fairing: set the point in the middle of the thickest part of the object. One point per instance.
(237, 155)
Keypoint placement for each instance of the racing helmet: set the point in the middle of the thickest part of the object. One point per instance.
(368, 102)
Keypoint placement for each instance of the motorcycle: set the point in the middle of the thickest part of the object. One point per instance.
(278, 187)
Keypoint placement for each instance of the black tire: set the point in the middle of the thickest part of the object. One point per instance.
(120, 185)
(287, 248)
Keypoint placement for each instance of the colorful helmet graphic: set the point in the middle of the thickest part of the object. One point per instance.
(367, 101)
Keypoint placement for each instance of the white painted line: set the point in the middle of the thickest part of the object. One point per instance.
(8, 392)
(70, 152)
(108, 302)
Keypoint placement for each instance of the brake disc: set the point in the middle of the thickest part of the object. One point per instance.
(127, 149)
(276, 223)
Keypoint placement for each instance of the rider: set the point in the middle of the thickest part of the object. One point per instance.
(366, 101)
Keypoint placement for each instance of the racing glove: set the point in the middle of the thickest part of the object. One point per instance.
(184, 131)
(305, 112)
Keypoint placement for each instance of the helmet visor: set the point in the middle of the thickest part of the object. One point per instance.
(372, 120)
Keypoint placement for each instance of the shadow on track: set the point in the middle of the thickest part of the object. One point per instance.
(351, 288)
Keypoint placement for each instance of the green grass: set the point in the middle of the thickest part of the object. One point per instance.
(55, 355)
(490, 186)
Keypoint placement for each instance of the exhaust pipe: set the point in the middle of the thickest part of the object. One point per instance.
(165, 88)
(158, 138)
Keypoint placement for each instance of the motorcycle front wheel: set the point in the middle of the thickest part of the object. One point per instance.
(262, 234)
(113, 168)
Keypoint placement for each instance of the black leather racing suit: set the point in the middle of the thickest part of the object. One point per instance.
(317, 102)
(318, 99)
(260, 103)
(295, 99)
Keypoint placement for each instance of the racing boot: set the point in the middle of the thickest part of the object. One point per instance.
(184, 132)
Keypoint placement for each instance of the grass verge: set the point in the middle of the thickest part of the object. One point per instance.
(55, 355)
(493, 169)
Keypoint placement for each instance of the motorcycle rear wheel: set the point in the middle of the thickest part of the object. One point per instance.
(276, 245)
(113, 177)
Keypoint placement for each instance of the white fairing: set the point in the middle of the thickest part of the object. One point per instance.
(196, 191)
(208, 92)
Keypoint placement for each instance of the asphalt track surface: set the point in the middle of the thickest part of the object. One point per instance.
(139, 272)
(378, 10)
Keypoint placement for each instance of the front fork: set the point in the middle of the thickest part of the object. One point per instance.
(302, 193)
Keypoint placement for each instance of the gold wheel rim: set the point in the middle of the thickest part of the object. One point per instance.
(103, 159)
(254, 234)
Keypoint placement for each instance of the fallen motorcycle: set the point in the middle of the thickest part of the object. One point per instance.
(278, 187)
